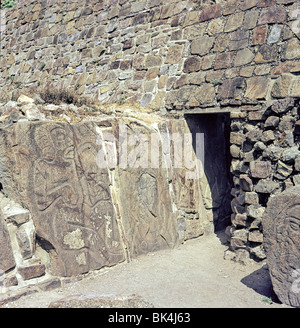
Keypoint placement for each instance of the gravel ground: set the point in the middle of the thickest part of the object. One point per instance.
(194, 275)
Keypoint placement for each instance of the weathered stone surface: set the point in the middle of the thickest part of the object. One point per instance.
(255, 236)
(146, 209)
(202, 46)
(281, 86)
(283, 170)
(290, 154)
(32, 271)
(231, 88)
(292, 49)
(205, 93)
(272, 15)
(210, 12)
(273, 152)
(281, 242)
(297, 163)
(245, 183)
(7, 260)
(174, 54)
(237, 138)
(266, 186)
(192, 64)
(224, 60)
(257, 87)
(102, 301)
(255, 211)
(260, 169)
(272, 122)
(267, 53)
(239, 220)
(26, 240)
(243, 57)
(71, 207)
(251, 198)
(234, 22)
(239, 239)
(267, 136)
(259, 35)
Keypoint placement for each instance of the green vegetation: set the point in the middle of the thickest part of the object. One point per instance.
(7, 4)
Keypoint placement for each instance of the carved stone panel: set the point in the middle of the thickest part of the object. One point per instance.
(146, 205)
(56, 175)
(281, 230)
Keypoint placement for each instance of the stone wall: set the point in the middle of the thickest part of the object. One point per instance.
(180, 55)
(265, 162)
(183, 57)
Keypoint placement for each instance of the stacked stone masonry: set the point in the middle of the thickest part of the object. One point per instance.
(241, 57)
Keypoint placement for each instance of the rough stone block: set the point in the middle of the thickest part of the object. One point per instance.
(255, 236)
(272, 15)
(224, 60)
(231, 88)
(234, 22)
(192, 64)
(237, 138)
(259, 35)
(251, 198)
(7, 260)
(292, 49)
(205, 93)
(266, 186)
(283, 171)
(245, 183)
(243, 57)
(257, 87)
(255, 211)
(272, 122)
(239, 220)
(297, 163)
(260, 169)
(174, 54)
(32, 271)
(210, 12)
(281, 87)
(267, 53)
(202, 45)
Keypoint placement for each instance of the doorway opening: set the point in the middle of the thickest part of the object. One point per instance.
(217, 160)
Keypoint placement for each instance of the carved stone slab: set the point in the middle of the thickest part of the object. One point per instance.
(53, 172)
(281, 229)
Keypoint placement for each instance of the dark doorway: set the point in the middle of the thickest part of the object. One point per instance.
(217, 159)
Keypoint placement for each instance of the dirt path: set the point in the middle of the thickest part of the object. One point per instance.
(194, 275)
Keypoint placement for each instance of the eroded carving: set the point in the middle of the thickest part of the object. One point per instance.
(281, 223)
(70, 198)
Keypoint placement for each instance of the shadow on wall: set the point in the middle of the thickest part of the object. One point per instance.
(217, 190)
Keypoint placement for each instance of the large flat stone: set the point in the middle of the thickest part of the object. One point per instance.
(53, 171)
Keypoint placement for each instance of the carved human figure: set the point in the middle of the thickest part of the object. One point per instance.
(281, 223)
(55, 172)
